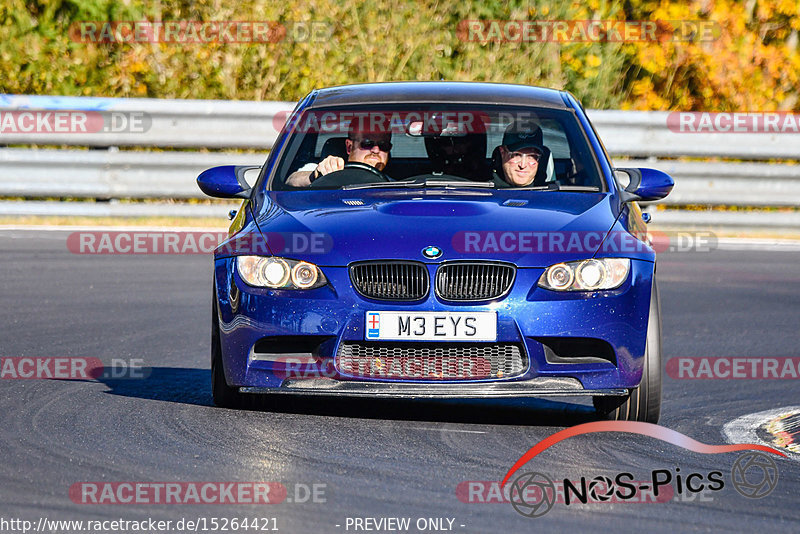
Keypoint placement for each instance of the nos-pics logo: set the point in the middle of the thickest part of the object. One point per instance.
(754, 474)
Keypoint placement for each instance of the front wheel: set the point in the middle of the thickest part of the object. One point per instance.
(224, 395)
(643, 403)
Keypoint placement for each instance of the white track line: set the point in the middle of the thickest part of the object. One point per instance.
(750, 243)
(448, 430)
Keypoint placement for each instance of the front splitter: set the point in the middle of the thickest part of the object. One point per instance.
(538, 387)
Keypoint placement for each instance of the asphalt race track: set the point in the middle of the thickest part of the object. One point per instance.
(375, 459)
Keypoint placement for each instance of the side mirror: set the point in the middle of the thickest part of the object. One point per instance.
(227, 181)
(646, 184)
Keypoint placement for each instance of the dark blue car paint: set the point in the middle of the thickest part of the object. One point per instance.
(247, 314)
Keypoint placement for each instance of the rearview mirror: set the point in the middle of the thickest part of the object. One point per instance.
(226, 181)
(646, 184)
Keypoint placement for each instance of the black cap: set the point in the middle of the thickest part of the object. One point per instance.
(523, 134)
(381, 130)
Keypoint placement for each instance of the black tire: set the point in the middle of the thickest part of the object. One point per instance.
(643, 403)
(224, 395)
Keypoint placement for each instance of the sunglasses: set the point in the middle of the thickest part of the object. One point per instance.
(369, 144)
(518, 157)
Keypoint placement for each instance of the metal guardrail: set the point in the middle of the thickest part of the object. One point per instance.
(109, 174)
(727, 184)
(644, 134)
(169, 123)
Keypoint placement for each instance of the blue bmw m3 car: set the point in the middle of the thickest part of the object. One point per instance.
(438, 240)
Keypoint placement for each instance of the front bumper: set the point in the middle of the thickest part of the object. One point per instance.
(536, 319)
(535, 387)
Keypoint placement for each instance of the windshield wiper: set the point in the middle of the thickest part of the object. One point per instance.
(458, 184)
(555, 186)
(422, 183)
(591, 188)
(552, 186)
(378, 185)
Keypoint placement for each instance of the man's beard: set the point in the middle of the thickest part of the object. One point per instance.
(375, 161)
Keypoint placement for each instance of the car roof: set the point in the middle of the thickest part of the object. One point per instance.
(434, 92)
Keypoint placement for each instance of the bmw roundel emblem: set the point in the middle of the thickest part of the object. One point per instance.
(431, 252)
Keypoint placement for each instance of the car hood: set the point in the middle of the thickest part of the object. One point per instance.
(528, 228)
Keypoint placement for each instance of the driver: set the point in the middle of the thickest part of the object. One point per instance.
(369, 147)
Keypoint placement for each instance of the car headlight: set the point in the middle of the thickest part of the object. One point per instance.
(279, 273)
(586, 275)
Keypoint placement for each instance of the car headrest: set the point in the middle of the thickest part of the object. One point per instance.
(335, 146)
(544, 174)
(466, 158)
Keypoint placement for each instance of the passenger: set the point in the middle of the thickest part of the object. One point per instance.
(523, 158)
(371, 148)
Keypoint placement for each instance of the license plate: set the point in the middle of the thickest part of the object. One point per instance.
(432, 326)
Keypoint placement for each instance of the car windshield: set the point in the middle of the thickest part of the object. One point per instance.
(425, 145)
